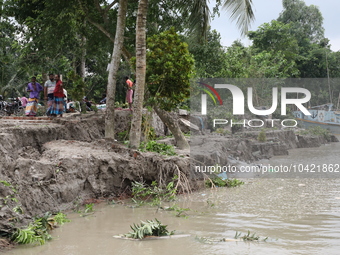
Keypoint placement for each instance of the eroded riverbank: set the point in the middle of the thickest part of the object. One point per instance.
(55, 165)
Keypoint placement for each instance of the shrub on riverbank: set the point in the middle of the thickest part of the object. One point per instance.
(153, 194)
(262, 137)
(160, 148)
(316, 131)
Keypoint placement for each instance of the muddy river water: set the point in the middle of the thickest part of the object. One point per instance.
(298, 215)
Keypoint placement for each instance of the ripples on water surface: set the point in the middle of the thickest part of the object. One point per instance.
(299, 216)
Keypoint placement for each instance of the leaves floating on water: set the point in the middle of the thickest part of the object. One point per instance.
(238, 237)
(249, 237)
(205, 240)
(148, 228)
(219, 182)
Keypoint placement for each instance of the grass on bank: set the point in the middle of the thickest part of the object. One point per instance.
(161, 148)
(316, 131)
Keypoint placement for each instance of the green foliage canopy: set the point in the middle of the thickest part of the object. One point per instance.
(209, 55)
(169, 69)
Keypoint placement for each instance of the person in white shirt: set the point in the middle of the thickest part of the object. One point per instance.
(48, 92)
(65, 100)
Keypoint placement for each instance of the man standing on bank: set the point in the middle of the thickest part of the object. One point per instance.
(48, 92)
(32, 105)
(57, 107)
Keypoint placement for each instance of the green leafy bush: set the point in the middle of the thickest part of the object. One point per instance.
(316, 131)
(35, 232)
(262, 137)
(154, 193)
(160, 148)
(38, 230)
(27, 236)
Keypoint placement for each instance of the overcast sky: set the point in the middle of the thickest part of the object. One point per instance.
(267, 10)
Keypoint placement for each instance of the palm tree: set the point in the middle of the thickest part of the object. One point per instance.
(200, 14)
(114, 65)
(135, 131)
(199, 17)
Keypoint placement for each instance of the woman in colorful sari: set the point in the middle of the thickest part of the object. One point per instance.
(57, 107)
(32, 105)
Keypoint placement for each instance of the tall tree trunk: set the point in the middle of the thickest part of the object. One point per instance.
(114, 65)
(135, 131)
(172, 124)
(74, 63)
(81, 63)
(83, 58)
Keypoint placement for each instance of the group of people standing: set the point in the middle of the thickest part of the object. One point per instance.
(55, 96)
(53, 93)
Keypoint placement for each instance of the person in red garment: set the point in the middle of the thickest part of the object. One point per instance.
(129, 92)
(57, 107)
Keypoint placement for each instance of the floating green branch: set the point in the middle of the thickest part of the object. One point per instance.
(148, 228)
(89, 208)
(180, 212)
(60, 218)
(234, 183)
(249, 237)
(238, 237)
(205, 240)
(219, 182)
